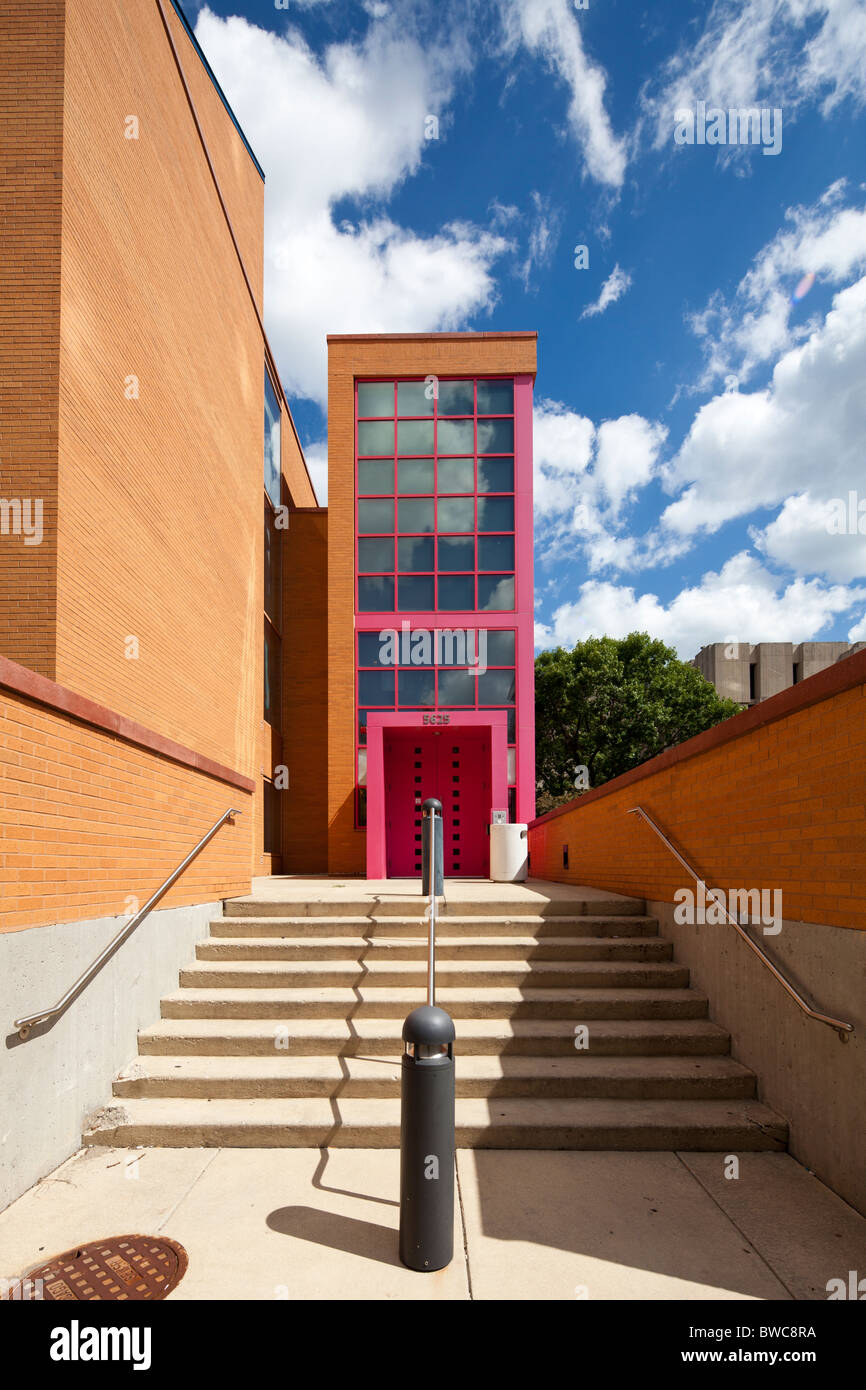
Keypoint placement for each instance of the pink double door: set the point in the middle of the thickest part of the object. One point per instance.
(454, 765)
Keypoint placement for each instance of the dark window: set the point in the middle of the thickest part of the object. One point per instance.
(495, 593)
(415, 593)
(456, 688)
(375, 398)
(752, 681)
(272, 676)
(375, 475)
(496, 513)
(496, 475)
(415, 514)
(495, 398)
(496, 553)
(495, 437)
(457, 553)
(457, 514)
(415, 553)
(455, 437)
(376, 437)
(456, 398)
(414, 475)
(415, 437)
(500, 648)
(496, 688)
(456, 593)
(376, 516)
(271, 827)
(415, 398)
(376, 594)
(376, 688)
(273, 570)
(370, 649)
(456, 475)
(375, 555)
(417, 688)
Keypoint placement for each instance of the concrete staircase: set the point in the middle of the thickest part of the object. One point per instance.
(285, 1031)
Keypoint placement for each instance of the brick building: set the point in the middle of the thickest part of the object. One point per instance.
(184, 632)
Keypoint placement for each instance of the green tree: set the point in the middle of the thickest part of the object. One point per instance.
(610, 704)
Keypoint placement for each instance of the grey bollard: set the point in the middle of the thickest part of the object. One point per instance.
(427, 1140)
(432, 808)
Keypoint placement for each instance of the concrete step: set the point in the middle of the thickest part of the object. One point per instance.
(579, 1005)
(369, 1036)
(581, 1075)
(476, 905)
(313, 1122)
(454, 925)
(543, 974)
(448, 948)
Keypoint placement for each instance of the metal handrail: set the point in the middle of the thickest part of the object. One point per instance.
(843, 1029)
(431, 944)
(24, 1025)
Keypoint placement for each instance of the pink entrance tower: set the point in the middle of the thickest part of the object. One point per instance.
(443, 597)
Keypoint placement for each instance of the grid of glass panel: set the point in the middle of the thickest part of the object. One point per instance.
(435, 496)
(451, 686)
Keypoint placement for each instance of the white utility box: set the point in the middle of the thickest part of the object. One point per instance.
(508, 851)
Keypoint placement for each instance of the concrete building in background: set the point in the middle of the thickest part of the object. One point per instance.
(748, 674)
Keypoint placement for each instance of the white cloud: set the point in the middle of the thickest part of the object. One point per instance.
(818, 536)
(805, 432)
(584, 477)
(350, 123)
(613, 289)
(562, 449)
(317, 465)
(626, 454)
(743, 598)
(543, 235)
(754, 326)
(551, 30)
(755, 53)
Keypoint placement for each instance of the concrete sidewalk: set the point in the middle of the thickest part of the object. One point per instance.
(312, 1224)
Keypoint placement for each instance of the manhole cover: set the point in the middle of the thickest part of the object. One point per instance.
(121, 1268)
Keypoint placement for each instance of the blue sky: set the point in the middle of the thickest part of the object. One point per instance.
(698, 428)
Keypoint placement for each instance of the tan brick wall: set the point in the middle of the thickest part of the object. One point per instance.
(31, 151)
(410, 355)
(778, 806)
(160, 531)
(88, 819)
(305, 694)
(153, 505)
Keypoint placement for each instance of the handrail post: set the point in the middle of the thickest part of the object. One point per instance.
(842, 1029)
(426, 1240)
(432, 847)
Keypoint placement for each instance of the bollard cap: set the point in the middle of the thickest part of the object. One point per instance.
(431, 804)
(428, 1025)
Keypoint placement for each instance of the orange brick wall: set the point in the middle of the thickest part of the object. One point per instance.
(442, 354)
(31, 152)
(87, 819)
(304, 820)
(773, 798)
(153, 506)
(160, 527)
